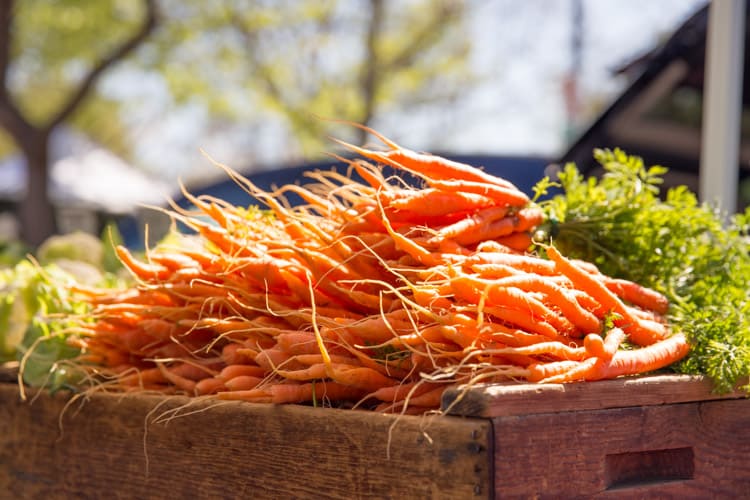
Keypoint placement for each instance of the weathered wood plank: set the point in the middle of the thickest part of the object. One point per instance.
(689, 450)
(232, 450)
(523, 399)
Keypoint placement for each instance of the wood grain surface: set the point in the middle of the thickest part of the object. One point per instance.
(688, 450)
(514, 398)
(128, 447)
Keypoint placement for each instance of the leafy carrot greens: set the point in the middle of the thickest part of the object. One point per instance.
(690, 251)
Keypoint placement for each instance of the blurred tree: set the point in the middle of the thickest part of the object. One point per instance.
(306, 60)
(52, 54)
(249, 62)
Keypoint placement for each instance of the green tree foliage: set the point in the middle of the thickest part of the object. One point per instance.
(52, 54)
(249, 62)
(300, 61)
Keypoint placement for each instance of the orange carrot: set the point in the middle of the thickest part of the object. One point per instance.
(631, 362)
(242, 383)
(523, 320)
(583, 319)
(181, 382)
(552, 348)
(210, 385)
(429, 166)
(635, 328)
(638, 295)
(230, 356)
(231, 371)
(604, 349)
(519, 241)
(471, 224)
(527, 263)
(363, 378)
(501, 195)
(472, 289)
(546, 372)
(398, 392)
(649, 358)
(433, 201)
(140, 269)
(321, 391)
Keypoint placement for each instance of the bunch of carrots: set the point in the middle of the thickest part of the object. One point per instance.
(372, 293)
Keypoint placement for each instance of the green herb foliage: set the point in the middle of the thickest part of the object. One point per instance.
(694, 254)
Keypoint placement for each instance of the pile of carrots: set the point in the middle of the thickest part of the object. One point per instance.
(372, 293)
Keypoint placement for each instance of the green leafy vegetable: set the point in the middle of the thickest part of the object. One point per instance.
(691, 252)
(37, 309)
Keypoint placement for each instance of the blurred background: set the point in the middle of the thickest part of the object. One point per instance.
(106, 105)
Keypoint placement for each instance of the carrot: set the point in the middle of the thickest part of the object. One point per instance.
(377, 329)
(363, 378)
(370, 289)
(140, 269)
(179, 381)
(519, 241)
(431, 298)
(527, 263)
(297, 393)
(232, 371)
(399, 392)
(580, 317)
(604, 349)
(552, 348)
(501, 195)
(242, 383)
(638, 295)
(312, 372)
(209, 385)
(270, 359)
(295, 342)
(428, 166)
(370, 174)
(230, 356)
(427, 335)
(172, 260)
(491, 230)
(545, 372)
(470, 224)
(638, 332)
(495, 271)
(429, 399)
(632, 362)
(472, 289)
(158, 329)
(193, 370)
(646, 359)
(313, 359)
(433, 201)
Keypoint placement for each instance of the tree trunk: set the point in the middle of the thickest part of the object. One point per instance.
(36, 212)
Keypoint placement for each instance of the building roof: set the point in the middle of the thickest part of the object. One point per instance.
(659, 114)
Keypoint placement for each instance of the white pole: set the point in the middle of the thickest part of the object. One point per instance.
(722, 103)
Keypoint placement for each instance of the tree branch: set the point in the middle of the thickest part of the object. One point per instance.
(6, 20)
(424, 38)
(149, 23)
(371, 69)
(11, 118)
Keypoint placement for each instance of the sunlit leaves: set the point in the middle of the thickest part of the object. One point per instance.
(55, 43)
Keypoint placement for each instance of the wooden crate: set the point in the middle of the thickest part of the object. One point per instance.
(651, 437)
(655, 437)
